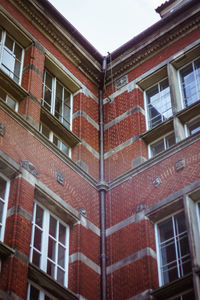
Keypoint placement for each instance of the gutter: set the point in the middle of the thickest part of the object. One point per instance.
(103, 187)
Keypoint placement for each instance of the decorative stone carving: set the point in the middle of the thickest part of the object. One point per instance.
(121, 82)
(140, 207)
(180, 164)
(60, 178)
(83, 212)
(2, 129)
(29, 167)
(157, 181)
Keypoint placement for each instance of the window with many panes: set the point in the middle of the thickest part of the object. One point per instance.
(57, 99)
(158, 103)
(10, 101)
(35, 293)
(55, 139)
(190, 82)
(49, 244)
(173, 249)
(11, 56)
(4, 193)
(162, 144)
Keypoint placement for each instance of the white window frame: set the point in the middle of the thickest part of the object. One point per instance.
(2, 46)
(157, 140)
(50, 138)
(188, 124)
(53, 98)
(42, 293)
(157, 239)
(5, 201)
(180, 83)
(44, 241)
(148, 120)
(198, 214)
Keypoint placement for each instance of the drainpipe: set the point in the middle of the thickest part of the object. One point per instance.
(102, 186)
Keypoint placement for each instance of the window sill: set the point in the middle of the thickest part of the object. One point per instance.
(58, 128)
(173, 288)
(49, 284)
(5, 250)
(189, 112)
(11, 87)
(158, 131)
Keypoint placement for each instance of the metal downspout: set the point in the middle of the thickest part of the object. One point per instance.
(102, 189)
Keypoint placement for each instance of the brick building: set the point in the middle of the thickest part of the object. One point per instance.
(99, 158)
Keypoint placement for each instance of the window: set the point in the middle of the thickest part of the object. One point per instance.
(190, 82)
(49, 244)
(35, 293)
(173, 248)
(11, 56)
(162, 144)
(4, 192)
(54, 139)
(158, 103)
(56, 99)
(10, 101)
(194, 127)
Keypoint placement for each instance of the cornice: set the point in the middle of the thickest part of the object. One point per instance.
(59, 37)
(151, 46)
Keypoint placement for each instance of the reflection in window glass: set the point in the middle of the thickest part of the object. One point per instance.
(49, 244)
(162, 144)
(175, 259)
(56, 98)
(158, 103)
(190, 81)
(3, 205)
(194, 127)
(11, 61)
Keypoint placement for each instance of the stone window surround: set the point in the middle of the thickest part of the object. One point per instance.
(189, 203)
(181, 114)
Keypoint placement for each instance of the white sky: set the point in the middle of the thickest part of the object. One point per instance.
(107, 24)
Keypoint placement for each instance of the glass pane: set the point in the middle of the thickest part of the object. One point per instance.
(44, 130)
(184, 246)
(62, 233)
(36, 258)
(58, 102)
(11, 102)
(157, 147)
(1, 211)
(47, 99)
(2, 188)
(52, 226)
(9, 62)
(39, 216)
(48, 81)
(2, 95)
(186, 266)
(166, 230)
(17, 70)
(37, 238)
(18, 52)
(180, 223)
(51, 249)
(194, 128)
(170, 140)
(170, 273)
(66, 113)
(50, 268)
(64, 149)
(61, 256)
(34, 293)
(168, 253)
(188, 84)
(56, 140)
(9, 43)
(159, 103)
(60, 276)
